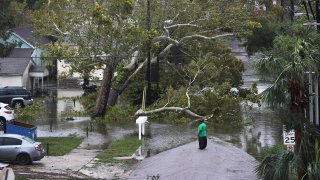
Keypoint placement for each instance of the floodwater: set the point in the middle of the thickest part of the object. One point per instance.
(265, 130)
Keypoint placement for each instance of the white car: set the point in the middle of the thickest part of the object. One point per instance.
(6, 114)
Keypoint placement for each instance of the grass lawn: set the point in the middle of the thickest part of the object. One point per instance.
(59, 146)
(123, 147)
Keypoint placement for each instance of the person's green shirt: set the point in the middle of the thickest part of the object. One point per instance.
(202, 130)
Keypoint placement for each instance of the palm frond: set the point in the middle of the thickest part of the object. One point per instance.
(275, 165)
(277, 94)
(267, 64)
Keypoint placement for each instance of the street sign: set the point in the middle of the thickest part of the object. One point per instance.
(288, 137)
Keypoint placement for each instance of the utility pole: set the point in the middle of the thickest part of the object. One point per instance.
(292, 10)
(148, 73)
(317, 121)
(318, 14)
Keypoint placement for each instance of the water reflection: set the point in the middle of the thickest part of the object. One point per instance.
(53, 123)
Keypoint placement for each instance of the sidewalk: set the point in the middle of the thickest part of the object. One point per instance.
(219, 161)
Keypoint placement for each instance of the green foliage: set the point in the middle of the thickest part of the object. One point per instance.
(116, 28)
(224, 107)
(31, 112)
(278, 163)
(88, 101)
(11, 12)
(275, 164)
(183, 120)
(59, 146)
(88, 41)
(294, 52)
(123, 8)
(120, 148)
(122, 75)
(261, 38)
(18, 177)
(99, 16)
(314, 171)
(117, 114)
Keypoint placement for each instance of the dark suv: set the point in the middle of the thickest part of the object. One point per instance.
(16, 97)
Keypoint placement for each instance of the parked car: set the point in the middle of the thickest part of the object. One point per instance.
(16, 97)
(6, 114)
(20, 149)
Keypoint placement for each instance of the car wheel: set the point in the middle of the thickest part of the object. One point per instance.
(23, 159)
(17, 104)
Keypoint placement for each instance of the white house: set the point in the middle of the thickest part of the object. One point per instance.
(20, 72)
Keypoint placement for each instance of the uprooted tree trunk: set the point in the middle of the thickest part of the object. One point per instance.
(103, 93)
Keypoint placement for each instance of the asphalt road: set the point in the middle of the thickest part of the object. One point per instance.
(219, 161)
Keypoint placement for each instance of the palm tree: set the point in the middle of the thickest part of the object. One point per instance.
(288, 61)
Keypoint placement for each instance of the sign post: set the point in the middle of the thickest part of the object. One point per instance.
(141, 123)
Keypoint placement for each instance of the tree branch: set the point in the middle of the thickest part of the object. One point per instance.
(166, 38)
(186, 111)
(181, 25)
(200, 37)
(133, 61)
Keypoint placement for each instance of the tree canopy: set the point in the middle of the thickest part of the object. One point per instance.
(186, 38)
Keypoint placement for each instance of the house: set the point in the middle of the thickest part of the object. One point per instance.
(24, 36)
(75, 80)
(21, 72)
(23, 66)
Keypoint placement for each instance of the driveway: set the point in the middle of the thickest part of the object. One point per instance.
(219, 161)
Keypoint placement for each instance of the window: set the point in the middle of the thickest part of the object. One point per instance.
(3, 92)
(11, 141)
(29, 140)
(21, 91)
(10, 92)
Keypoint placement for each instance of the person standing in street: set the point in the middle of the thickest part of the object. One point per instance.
(202, 135)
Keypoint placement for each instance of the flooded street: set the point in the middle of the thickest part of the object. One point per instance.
(265, 130)
(54, 124)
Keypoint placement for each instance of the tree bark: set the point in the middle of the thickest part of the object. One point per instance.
(186, 111)
(297, 113)
(103, 94)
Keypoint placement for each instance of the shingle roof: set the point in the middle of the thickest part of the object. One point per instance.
(27, 34)
(21, 53)
(13, 66)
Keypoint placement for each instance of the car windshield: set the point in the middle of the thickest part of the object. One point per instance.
(29, 140)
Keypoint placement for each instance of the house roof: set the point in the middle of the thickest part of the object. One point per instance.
(37, 69)
(21, 53)
(13, 66)
(27, 34)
